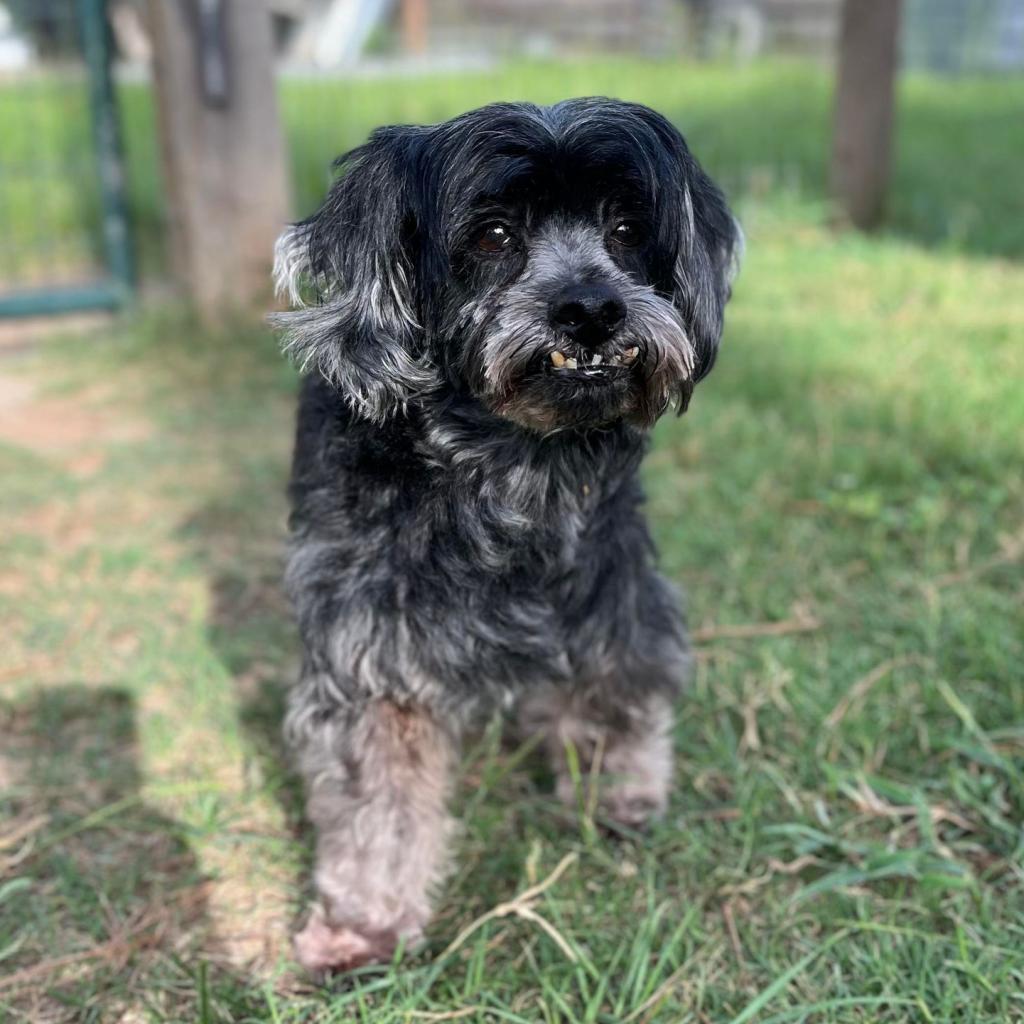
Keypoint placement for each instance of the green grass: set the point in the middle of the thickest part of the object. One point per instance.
(760, 129)
(49, 191)
(845, 843)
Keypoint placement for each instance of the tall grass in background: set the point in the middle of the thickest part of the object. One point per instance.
(761, 130)
(49, 190)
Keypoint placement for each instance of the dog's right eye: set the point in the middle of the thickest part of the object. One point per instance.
(494, 238)
(627, 233)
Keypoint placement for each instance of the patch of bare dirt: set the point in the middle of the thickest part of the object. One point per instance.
(72, 428)
(25, 333)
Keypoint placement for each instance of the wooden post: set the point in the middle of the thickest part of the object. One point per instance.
(862, 134)
(414, 26)
(223, 150)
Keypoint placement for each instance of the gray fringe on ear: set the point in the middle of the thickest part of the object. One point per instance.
(356, 337)
(291, 263)
(375, 374)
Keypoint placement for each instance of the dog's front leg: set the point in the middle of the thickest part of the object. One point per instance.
(377, 779)
(623, 747)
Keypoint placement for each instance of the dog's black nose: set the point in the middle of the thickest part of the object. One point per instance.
(588, 313)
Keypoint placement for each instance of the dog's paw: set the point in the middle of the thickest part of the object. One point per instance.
(632, 804)
(635, 810)
(324, 948)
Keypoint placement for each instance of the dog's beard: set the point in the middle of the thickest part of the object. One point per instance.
(529, 373)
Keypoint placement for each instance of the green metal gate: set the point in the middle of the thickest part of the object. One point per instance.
(64, 238)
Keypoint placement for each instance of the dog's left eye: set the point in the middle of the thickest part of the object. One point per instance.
(628, 233)
(494, 238)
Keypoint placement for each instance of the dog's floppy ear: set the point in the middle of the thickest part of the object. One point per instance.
(705, 239)
(361, 329)
(710, 247)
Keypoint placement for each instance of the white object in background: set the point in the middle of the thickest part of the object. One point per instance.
(334, 32)
(16, 52)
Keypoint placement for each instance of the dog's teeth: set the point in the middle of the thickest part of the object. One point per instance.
(570, 363)
(558, 359)
(596, 361)
(630, 354)
(614, 359)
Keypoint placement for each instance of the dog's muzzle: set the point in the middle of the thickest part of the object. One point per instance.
(586, 319)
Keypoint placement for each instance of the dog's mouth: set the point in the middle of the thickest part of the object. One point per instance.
(568, 385)
(576, 363)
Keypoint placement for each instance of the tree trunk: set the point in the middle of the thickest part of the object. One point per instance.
(862, 137)
(414, 26)
(224, 160)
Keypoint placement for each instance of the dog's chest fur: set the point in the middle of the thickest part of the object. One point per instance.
(449, 546)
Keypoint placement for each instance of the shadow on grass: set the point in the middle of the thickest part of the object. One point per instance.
(251, 629)
(238, 387)
(103, 910)
(237, 534)
(250, 623)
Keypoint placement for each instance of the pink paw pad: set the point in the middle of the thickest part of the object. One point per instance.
(323, 948)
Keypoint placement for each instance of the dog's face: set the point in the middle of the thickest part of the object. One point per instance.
(566, 265)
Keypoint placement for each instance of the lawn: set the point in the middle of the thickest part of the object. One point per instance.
(844, 504)
(760, 128)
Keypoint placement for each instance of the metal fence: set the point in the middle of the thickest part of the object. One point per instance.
(64, 243)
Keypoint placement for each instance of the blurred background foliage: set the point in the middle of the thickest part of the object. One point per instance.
(750, 84)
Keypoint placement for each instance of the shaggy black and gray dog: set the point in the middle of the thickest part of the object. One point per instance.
(500, 306)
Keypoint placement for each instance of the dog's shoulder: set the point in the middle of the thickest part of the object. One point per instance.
(335, 446)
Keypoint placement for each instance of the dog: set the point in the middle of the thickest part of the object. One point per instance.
(491, 313)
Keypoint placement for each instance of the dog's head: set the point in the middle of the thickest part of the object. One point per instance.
(566, 265)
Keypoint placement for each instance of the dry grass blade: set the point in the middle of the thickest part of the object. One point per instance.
(733, 932)
(802, 622)
(1012, 551)
(21, 832)
(667, 986)
(792, 867)
(868, 802)
(865, 684)
(445, 1015)
(117, 949)
(522, 907)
